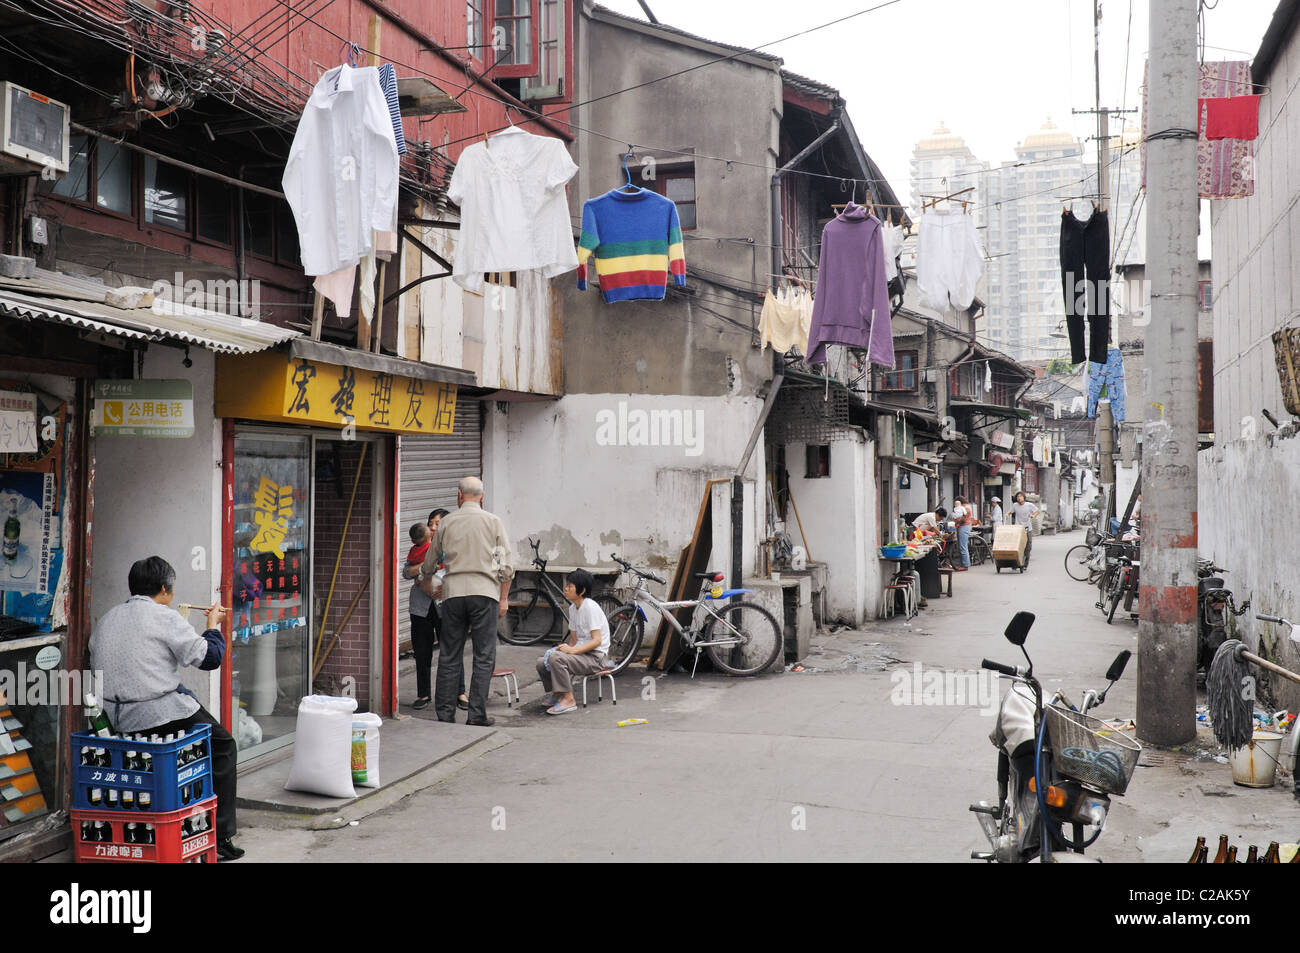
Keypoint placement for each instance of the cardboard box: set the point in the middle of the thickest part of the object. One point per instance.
(1009, 543)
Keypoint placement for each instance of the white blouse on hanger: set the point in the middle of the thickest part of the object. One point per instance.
(514, 216)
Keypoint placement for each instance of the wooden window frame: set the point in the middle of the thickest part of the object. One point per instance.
(91, 203)
(821, 453)
(475, 43)
(892, 381)
(231, 217)
(680, 170)
(531, 88)
(519, 71)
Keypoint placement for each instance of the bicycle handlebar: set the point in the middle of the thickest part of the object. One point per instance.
(628, 567)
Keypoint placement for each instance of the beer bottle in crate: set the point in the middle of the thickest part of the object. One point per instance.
(96, 720)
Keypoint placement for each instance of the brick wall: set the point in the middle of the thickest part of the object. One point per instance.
(351, 657)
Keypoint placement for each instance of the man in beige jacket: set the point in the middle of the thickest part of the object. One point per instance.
(472, 543)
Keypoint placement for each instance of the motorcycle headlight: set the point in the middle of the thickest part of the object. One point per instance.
(1092, 810)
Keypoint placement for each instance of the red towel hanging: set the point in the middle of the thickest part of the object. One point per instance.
(1230, 117)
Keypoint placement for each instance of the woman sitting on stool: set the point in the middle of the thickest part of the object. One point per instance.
(576, 656)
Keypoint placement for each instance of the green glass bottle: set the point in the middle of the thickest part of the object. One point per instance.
(96, 719)
(12, 530)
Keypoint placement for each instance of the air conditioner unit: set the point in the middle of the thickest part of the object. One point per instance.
(33, 131)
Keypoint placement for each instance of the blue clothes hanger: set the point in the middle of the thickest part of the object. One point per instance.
(628, 186)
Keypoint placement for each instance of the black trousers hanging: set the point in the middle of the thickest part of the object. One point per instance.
(1085, 280)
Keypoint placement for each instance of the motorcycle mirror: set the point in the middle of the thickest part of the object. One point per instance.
(1017, 630)
(1117, 667)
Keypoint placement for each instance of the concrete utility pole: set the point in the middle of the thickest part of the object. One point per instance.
(1166, 702)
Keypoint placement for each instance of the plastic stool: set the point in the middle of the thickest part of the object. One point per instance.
(887, 600)
(507, 675)
(604, 673)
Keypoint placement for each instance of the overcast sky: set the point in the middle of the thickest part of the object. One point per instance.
(992, 70)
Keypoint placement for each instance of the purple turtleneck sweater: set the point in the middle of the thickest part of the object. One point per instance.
(852, 303)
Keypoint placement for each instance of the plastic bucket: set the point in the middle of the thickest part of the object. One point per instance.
(1255, 766)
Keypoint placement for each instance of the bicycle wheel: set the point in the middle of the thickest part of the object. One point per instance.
(626, 630)
(1076, 562)
(1104, 584)
(530, 617)
(760, 641)
(1114, 601)
(609, 604)
(979, 550)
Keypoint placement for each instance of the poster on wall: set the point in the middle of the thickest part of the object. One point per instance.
(30, 595)
(27, 510)
(271, 544)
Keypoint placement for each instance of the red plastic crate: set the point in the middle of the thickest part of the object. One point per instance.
(168, 846)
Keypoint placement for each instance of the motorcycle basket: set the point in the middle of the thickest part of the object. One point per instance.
(1091, 752)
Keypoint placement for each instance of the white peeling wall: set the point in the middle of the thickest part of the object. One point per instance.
(1258, 551)
(839, 514)
(582, 474)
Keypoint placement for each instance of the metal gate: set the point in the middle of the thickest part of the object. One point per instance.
(428, 470)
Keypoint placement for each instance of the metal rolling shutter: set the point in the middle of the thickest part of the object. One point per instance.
(428, 470)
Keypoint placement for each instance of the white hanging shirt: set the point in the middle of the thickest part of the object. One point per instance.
(513, 213)
(892, 238)
(341, 177)
(949, 260)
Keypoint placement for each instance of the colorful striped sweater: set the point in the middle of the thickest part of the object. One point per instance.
(636, 240)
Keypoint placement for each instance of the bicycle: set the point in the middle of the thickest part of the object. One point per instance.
(1121, 582)
(741, 638)
(536, 613)
(977, 548)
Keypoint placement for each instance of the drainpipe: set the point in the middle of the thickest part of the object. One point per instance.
(778, 365)
(776, 187)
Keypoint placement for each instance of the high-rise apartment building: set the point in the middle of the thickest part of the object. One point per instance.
(1018, 210)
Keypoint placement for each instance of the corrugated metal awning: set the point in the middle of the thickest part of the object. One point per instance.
(81, 303)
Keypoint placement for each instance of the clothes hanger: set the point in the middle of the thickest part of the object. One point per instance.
(627, 186)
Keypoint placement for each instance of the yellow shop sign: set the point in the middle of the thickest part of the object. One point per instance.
(284, 389)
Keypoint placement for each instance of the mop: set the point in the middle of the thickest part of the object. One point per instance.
(1231, 713)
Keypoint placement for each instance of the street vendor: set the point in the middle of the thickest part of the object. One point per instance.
(140, 647)
(931, 522)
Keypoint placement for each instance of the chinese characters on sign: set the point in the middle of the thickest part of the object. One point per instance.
(296, 390)
(274, 508)
(17, 422)
(271, 555)
(143, 408)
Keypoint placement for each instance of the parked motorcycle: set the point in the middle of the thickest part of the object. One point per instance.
(1057, 766)
(1214, 602)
